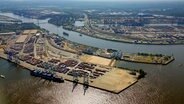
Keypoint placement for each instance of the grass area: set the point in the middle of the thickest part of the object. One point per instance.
(6, 27)
(148, 58)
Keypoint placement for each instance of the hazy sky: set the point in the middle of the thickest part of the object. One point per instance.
(98, 0)
(124, 0)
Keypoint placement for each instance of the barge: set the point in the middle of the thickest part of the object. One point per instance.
(66, 34)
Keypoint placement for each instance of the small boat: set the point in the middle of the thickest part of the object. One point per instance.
(66, 34)
(80, 34)
(2, 76)
(180, 65)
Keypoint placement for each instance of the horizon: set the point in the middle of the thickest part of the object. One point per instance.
(128, 1)
(89, 4)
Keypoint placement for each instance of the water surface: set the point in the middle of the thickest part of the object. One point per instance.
(162, 85)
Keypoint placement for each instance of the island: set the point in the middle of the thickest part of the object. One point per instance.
(8, 24)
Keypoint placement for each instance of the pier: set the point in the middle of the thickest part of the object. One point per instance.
(73, 66)
(115, 81)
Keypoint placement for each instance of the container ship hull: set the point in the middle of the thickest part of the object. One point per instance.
(47, 76)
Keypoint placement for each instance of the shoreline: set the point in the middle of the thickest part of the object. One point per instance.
(122, 41)
(122, 59)
(166, 63)
(108, 39)
(30, 67)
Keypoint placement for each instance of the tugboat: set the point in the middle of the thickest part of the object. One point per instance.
(47, 75)
(66, 34)
(2, 76)
(80, 34)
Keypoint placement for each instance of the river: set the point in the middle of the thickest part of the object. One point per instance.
(162, 85)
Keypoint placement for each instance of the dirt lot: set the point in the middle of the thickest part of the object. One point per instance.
(21, 38)
(116, 80)
(96, 60)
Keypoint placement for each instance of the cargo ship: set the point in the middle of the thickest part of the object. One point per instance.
(66, 34)
(47, 75)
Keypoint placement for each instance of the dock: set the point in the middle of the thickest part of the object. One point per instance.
(57, 55)
(115, 81)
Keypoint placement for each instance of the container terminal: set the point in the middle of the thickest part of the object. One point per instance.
(49, 57)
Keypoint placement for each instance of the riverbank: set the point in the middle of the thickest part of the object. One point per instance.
(132, 38)
(108, 54)
(112, 39)
(116, 77)
(123, 40)
(65, 63)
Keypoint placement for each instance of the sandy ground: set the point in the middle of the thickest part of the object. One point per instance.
(116, 80)
(66, 46)
(27, 32)
(64, 53)
(96, 60)
(1, 50)
(21, 38)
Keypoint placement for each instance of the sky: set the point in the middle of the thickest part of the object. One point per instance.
(101, 0)
(124, 0)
